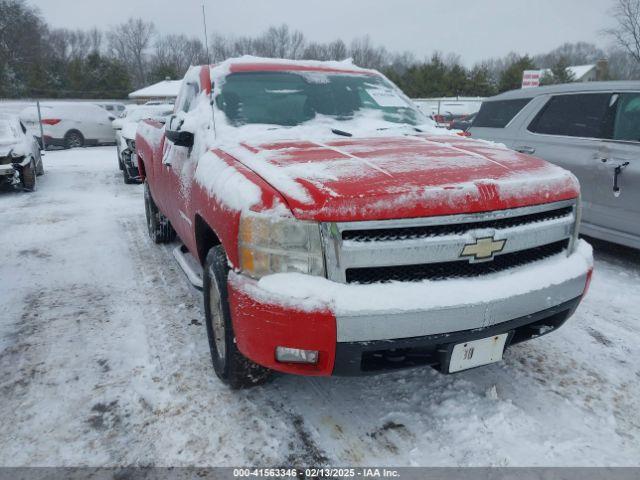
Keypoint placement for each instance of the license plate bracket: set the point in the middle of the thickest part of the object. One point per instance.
(475, 353)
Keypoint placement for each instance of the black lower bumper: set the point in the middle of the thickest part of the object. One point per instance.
(129, 162)
(363, 358)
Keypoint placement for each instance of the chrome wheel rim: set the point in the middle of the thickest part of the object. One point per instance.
(75, 141)
(217, 320)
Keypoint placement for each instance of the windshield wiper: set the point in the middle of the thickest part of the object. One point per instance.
(342, 133)
(405, 125)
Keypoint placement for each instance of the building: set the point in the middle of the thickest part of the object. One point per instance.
(581, 73)
(164, 91)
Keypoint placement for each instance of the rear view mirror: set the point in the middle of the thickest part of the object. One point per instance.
(180, 138)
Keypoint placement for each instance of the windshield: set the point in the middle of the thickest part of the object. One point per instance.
(7, 131)
(290, 99)
(145, 113)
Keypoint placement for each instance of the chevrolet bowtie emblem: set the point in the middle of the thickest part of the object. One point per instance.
(483, 249)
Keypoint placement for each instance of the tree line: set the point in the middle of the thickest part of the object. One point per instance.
(39, 61)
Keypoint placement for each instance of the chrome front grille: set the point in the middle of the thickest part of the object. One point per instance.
(432, 248)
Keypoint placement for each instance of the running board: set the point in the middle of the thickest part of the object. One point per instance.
(189, 265)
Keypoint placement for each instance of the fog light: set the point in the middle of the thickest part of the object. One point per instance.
(295, 355)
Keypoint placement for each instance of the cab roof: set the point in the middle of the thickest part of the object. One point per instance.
(258, 64)
(577, 87)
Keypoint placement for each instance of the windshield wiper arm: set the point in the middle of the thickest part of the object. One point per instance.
(416, 129)
(342, 133)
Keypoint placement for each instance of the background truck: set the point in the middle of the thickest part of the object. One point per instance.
(335, 231)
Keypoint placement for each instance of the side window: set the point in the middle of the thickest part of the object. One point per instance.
(627, 122)
(498, 114)
(578, 115)
(187, 95)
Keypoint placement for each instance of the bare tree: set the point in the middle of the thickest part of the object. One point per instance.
(338, 50)
(280, 42)
(366, 55)
(621, 67)
(174, 54)
(130, 42)
(627, 33)
(579, 53)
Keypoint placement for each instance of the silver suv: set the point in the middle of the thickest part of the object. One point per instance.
(592, 129)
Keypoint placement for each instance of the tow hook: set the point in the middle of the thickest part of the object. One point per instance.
(617, 171)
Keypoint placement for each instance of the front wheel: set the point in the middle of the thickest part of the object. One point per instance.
(230, 365)
(73, 139)
(120, 164)
(126, 177)
(160, 229)
(28, 177)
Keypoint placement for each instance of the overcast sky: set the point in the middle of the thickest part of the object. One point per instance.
(474, 29)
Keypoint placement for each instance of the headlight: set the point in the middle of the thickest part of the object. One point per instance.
(270, 244)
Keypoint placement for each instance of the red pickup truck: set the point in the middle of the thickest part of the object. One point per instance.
(334, 231)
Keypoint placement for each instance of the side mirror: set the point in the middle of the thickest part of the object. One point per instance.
(179, 138)
(175, 123)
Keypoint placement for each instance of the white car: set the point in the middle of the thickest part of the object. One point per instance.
(114, 108)
(69, 124)
(126, 135)
(20, 160)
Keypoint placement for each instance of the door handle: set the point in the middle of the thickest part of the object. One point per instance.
(526, 149)
(616, 173)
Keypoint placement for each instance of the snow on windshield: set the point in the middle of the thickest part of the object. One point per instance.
(7, 131)
(144, 113)
(289, 99)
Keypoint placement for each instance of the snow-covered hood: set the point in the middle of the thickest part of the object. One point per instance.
(129, 130)
(355, 179)
(17, 146)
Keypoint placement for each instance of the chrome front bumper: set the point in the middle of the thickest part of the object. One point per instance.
(370, 326)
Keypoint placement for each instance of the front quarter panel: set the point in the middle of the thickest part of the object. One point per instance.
(218, 211)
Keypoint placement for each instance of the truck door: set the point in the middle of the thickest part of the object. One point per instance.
(568, 131)
(178, 167)
(617, 179)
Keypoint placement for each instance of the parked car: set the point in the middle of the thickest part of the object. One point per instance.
(70, 124)
(20, 160)
(444, 120)
(463, 123)
(592, 129)
(114, 108)
(126, 127)
(332, 235)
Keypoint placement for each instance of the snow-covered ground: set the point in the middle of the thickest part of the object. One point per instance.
(104, 361)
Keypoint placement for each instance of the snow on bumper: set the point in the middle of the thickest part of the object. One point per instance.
(314, 313)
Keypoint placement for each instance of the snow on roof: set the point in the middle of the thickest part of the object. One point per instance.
(580, 71)
(163, 89)
(251, 63)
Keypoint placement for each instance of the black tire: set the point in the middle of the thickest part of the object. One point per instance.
(120, 164)
(233, 368)
(73, 139)
(125, 175)
(40, 168)
(28, 177)
(160, 229)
